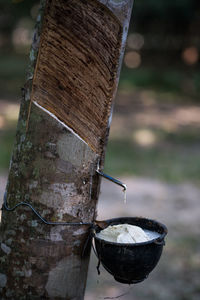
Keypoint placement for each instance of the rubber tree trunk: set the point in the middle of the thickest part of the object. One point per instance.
(61, 137)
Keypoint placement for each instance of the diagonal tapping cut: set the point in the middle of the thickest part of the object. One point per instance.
(62, 123)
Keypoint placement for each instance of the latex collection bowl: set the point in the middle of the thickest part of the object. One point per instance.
(131, 263)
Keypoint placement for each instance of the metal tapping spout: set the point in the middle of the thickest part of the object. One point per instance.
(123, 185)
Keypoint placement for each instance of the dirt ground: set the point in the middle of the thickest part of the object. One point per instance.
(177, 206)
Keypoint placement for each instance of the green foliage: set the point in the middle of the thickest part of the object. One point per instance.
(171, 80)
(12, 74)
(168, 80)
(12, 11)
(6, 146)
(162, 8)
(169, 161)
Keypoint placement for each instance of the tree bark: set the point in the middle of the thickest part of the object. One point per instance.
(61, 136)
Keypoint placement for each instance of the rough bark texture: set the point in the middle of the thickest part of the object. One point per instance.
(61, 137)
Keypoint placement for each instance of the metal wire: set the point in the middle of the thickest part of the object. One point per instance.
(5, 206)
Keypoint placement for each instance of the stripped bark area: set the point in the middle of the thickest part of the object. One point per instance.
(61, 138)
(77, 64)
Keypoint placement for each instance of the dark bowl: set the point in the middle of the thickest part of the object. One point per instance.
(131, 263)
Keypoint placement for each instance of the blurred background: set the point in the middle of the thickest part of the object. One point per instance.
(154, 144)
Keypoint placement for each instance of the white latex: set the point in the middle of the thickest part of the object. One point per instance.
(123, 233)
